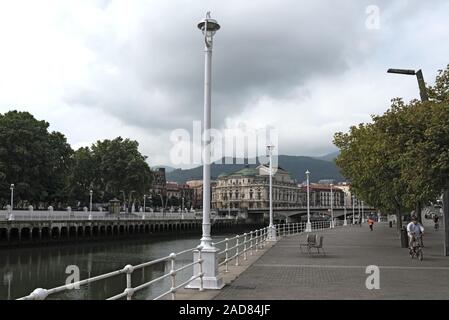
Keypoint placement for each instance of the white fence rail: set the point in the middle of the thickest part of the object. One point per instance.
(80, 216)
(235, 248)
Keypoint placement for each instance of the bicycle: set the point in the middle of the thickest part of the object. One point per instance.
(416, 248)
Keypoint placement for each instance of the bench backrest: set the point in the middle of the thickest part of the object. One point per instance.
(320, 244)
(311, 238)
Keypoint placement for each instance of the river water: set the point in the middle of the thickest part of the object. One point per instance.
(24, 269)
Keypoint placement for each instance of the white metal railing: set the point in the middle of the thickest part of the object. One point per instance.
(128, 293)
(235, 248)
(106, 217)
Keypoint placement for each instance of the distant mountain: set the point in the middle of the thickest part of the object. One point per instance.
(296, 165)
(329, 157)
(167, 168)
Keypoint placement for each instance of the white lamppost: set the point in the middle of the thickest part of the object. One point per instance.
(209, 253)
(12, 196)
(144, 202)
(272, 228)
(11, 216)
(353, 209)
(345, 222)
(308, 224)
(363, 214)
(90, 204)
(332, 206)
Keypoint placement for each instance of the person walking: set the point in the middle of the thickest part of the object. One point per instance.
(371, 223)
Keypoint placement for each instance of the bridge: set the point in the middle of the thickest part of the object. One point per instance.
(20, 226)
(291, 214)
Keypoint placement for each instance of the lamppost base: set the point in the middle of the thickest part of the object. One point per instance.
(332, 224)
(211, 279)
(272, 234)
(345, 222)
(308, 227)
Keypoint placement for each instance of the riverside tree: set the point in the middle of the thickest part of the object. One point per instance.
(401, 159)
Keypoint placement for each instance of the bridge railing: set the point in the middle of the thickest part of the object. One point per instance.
(102, 217)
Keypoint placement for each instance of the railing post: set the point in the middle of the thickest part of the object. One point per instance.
(257, 240)
(237, 251)
(251, 242)
(244, 247)
(173, 274)
(283, 227)
(226, 255)
(129, 290)
(200, 261)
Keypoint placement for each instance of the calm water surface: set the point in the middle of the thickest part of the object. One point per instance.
(24, 269)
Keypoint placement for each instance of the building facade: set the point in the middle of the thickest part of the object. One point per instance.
(248, 188)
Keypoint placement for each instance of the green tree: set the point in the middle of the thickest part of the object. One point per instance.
(33, 159)
(110, 168)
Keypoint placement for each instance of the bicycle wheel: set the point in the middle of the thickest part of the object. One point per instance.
(420, 254)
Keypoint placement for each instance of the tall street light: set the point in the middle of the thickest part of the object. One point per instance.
(272, 228)
(209, 253)
(424, 98)
(90, 201)
(144, 202)
(12, 196)
(419, 77)
(353, 209)
(345, 222)
(308, 224)
(332, 206)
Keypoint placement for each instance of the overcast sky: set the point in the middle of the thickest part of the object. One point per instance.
(104, 68)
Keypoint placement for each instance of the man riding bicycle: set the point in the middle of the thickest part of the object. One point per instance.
(415, 230)
(436, 220)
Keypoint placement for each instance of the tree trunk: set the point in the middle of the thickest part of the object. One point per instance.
(446, 221)
(418, 209)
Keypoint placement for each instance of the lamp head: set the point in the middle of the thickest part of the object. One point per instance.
(209, 27)
(402, 71)
(12, 185)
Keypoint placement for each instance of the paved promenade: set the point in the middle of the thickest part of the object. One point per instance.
(283, 272)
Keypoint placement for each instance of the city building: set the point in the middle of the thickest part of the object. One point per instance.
(320, 195)
(196, 187)
(159, 182)
(249, 188)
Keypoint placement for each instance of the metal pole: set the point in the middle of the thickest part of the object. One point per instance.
(90, 202)
(144, 202)
(446, 221)
(209, 253)
(332, 207)
(345, 222)
(12, 197)
(422, 86)
(308, 225)
(353, 209)
(272, 233)
(206, 241)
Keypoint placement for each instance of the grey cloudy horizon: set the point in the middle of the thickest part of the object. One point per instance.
(101, 69)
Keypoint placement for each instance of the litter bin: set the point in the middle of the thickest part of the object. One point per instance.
(391, 224)
(404, 238)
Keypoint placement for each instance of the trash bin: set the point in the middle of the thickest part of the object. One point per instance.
(391, 224)
(404, 238)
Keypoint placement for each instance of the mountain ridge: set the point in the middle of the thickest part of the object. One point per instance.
(295, 165)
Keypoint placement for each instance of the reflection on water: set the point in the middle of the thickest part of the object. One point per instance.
(24, 269)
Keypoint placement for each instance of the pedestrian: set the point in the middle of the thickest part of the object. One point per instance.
(370, 223)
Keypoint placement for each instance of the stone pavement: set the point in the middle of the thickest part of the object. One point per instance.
(284, 273)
